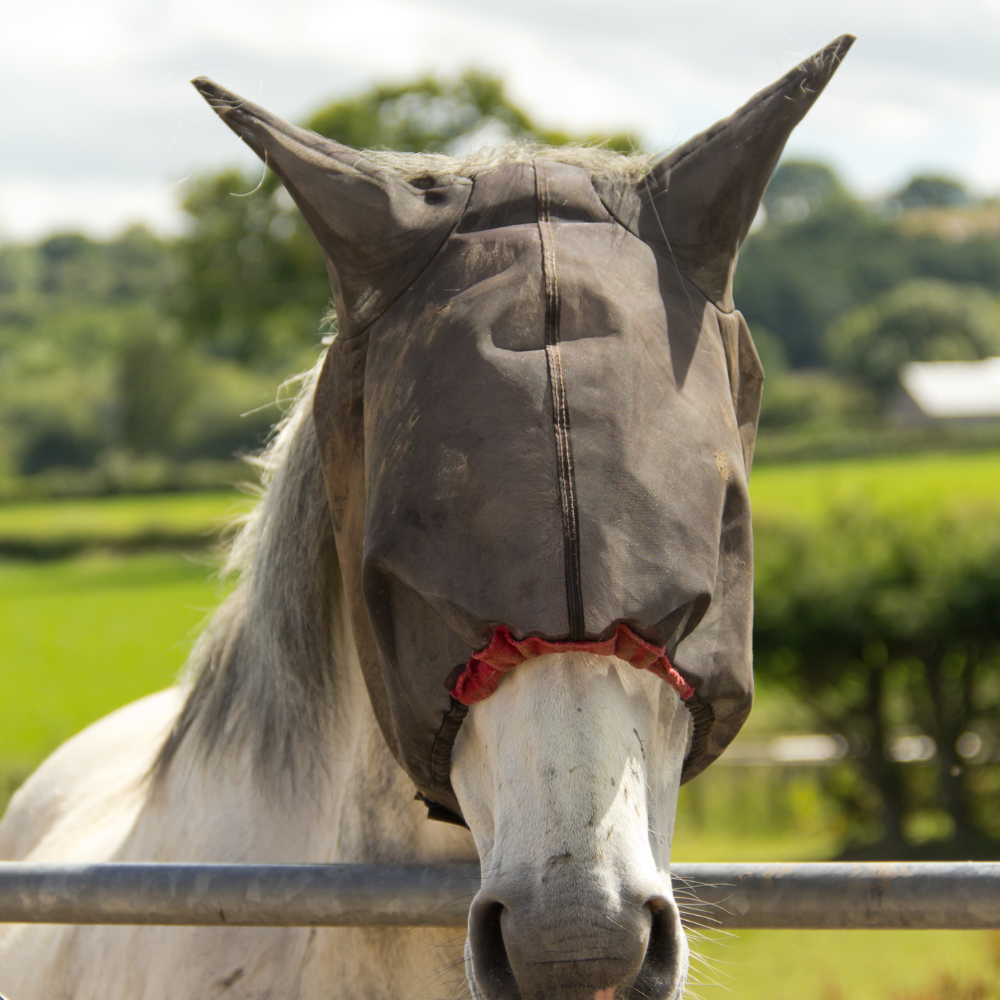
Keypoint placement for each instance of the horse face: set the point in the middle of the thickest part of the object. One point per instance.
(568, 776)
(567, 773)
(536, 425)
(553, 476)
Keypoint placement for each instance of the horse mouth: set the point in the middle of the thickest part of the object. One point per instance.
(648, 963)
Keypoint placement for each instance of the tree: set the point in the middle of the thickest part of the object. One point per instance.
(435, 115)
(886, 625)
(155, 380)
(67, 307)
(796, 278)
(823, 254)
(798, 188)
(254, 286)
(932, 191)
(921, 320)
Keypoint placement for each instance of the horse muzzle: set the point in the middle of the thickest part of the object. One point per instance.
(564, 936)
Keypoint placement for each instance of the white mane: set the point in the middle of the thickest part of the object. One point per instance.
(265, 668)
(599, 161)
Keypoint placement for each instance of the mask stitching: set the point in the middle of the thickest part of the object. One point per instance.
(560, 410)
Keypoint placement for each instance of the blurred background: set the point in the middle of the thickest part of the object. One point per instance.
(157, 289)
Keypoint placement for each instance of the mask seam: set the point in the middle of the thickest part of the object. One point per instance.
(565, 470)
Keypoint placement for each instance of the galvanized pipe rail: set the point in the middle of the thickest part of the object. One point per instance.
(818, 896)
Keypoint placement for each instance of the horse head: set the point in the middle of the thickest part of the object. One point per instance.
(536, 424)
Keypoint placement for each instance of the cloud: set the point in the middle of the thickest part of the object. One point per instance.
(99, 207)
(101, 124)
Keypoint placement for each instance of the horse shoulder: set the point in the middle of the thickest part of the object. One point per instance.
(80, 802)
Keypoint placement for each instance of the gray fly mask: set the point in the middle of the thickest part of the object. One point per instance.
(538, 417)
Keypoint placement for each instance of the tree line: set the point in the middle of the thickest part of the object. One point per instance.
(138, 345)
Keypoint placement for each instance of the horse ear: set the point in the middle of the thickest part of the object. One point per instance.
(377, 231)
(699, 201)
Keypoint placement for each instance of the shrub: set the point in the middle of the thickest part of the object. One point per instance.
(887, 626)
(922, 320)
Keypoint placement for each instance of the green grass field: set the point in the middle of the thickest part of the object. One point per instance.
(904, 483)
(81, 636)
(803, 490)
(192, 517)
(846, 965)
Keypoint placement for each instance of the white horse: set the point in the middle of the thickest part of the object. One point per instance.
(616, 736)
(530, 442)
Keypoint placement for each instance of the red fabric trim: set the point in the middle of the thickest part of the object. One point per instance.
(483, 671)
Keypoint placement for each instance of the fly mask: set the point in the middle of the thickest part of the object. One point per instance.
(538, 417)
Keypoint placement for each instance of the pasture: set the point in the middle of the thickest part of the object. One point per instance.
(53, 528)
(81, 636)
(924, 482)
(803, 490)
(103, 519)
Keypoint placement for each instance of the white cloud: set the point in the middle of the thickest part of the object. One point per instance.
(99, 112)
(30, 209)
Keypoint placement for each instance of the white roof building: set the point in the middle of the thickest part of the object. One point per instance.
(949, 390)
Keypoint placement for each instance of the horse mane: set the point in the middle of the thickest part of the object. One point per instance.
(600, 162)
(265, 671)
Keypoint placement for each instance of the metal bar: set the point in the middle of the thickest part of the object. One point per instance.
(958, 895)
(238, 895)
(806, 896)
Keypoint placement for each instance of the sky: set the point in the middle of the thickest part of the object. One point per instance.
(102, 128)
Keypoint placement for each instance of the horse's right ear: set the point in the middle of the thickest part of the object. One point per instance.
(377, 231)
(697, 204)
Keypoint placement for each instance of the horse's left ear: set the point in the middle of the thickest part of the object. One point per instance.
(377, 231)
(697, 204)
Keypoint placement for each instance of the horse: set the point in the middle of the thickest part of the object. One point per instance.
(502, 559)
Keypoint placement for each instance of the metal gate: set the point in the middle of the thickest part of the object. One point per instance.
(821, 896)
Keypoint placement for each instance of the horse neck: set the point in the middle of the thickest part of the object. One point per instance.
(276, 753)
(379, 819)
(371, 813)
(356, 804)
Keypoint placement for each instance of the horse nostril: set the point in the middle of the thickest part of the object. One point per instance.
(575, 951)
(493, 972)
(661, 969)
